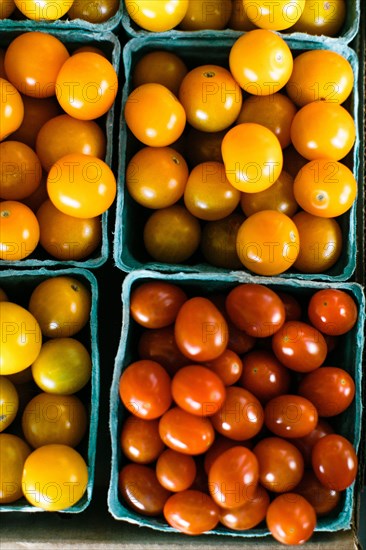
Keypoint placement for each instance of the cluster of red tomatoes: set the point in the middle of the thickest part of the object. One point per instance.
(44, 365)
(247, 164)
(97, 11)
(54, 185)
(228, 408)
(325, 17)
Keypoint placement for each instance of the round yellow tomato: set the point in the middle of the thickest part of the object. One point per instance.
(19, 233)
(239, 21)
(156, 15)
(280, 197)
(47, 10)
(11, 109)
(13, 453)
(274, 15)
(20, 170)
(20, 337)
(9, 402)
(206, 14)
(322, 17)
(55, 477)
(160, 67)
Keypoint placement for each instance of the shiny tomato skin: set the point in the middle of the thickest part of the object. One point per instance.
(201, 332)
(175, 471)
(290, 416)
(250, 514)
(272, 15)
(264, 376)
(228, 366)
(13, 453)
(233, 477)
(185, 432)
(299, 346)
(332, 311)
(155, 304)
(291, 519)
(306, 443)
(140, 440)
(334, 462)
(192, 512)
(322, 499)
(145, 389)
(198, 390)
(220, 445)
(159, 345)
(255, 309)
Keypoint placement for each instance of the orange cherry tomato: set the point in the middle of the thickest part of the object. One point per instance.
(47, 10)
(20, 170)
(154, 115)
(175, 471)
(290, 416)
(291, 519)
(35, 74)
(11, 109)
(192, 512)
(323, 130)
(140, 440)
(185, 432)
(272, 15)
(19, 231)
(157, 15)
(268, 242)
(321, 243)
(252, 157)
(228, 366)
(156, 304)
(249, 515)
(37, 111)
(264, 376)
(280, 197)
(206, 14)
(13, 453)
(86, 86)
(325, 188)
(261, 70)
(198, 390)
(211, 98)
(160, 67)
(81, 185)
(322, 17)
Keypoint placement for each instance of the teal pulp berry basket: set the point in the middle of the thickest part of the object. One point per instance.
(111, 47)
(18, 285)
(128, 249)
(348, 355)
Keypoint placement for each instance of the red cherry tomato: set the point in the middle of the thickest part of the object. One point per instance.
(255, 309)
(175, 471)
(140, 440)
(249, 515)
(228, 367)
(220, 445)
(141, 489)
(191, 512)
(264, 376)
(239, 341)
(293, 309)
(201, 331)
(335, 462)
(159, 345)
(322, 499)
(290, 416)
(156, 304)
(332, 311)
(305, 444)
(291, 519)
(299, 346)
(185, 432)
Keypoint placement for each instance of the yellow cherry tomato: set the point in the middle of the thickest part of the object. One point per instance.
(280, 197)
(9, 402)
(156, 15)
(13, 453)
(274, 15)
(161, 67)
(11, 109)
(322, 17)
(47, 10)
(206, 14)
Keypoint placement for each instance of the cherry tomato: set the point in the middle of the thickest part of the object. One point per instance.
(322, 130)
(325, 188)
(291, 519)
(228, 367)
(55, 477)
(273, 15)
(233, 477)
(220, 445)
(9, 402)
(98, 11)
(299, 346)
(322, 499)
(93, 88)
(185, 432)
(321, 242)
(19, 231)
(208, 194)
(140, 440)
(61, 305)
(81, 185)
(37, 111)
(141, 489)
(249, 515)
(48, 10)
(293, 310)
(201, 331)
(21, 338)
(252, 157)
(305, 444)
(198, 390)
(20, 170)
(241, 415)
(144, 389)
(322, 17)
(261, 255)
(239, 341)
(334, 462)
(157, 16)
(290, 416)
(13, 453)
(64, 134)
(218, 241)
(330, 389)
(261, 70)
(203, 15)
(6, 8)
(239, 21)
(58, 419)
(156, 304)
(281, 465)
(175, 471)
(332, 311)
(159, 345)
(34, 74)
(280, 197)
(160, 67)
(11, 108)
(156, 176)
(211, 98)
(204, 146)
(256, 309)
(191, 512)
(154, 115)
(320, 75)
(264, 376)
(63, 366)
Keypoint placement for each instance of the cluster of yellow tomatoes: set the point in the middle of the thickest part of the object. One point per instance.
(44, 365)
(97, 11)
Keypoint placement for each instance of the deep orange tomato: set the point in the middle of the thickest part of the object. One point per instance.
(156, 304)
(157, 15)
(185, 432)
(161, 67)
(19, 231)
(11, 108)
(290, 416)
(228, 366)
(276, 16)
(201, 331)
(332, 311)
(192, 512)
(249, 515)
(335, 462)
(175, 471)
(145, 389)
(322, 17)
(291, 519)
(198, 390)
(203, 15)
(140, 440)
(141, 489)
(264, 376)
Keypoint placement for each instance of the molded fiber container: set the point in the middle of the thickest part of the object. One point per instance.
(349, 357)
(110, 45)
(18, 285)
(346, 34)
(129, 252)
